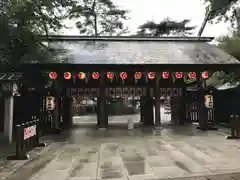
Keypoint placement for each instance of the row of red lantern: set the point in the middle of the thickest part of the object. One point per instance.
(124, 75)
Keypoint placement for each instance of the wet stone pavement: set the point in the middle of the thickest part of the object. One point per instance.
(142, 154)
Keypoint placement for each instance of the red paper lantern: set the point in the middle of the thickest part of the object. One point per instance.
(165, 75)
(67, 75)
(110, 75)
(123, 75)
(205, 75)
(192, 75)
(52, 75)
(138, 75)
(95, 75)
(81, 75)
(178, 75)
(151, 75)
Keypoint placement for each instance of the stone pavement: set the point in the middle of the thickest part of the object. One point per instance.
(143, 154)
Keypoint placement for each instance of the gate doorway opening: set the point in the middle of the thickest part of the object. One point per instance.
(84, 111)
(120, 108)
(165, 110)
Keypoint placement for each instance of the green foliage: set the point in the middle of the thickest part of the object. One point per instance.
(231, 44)
(99, 17)
(20, 21)
(222, 10)
(165, 27)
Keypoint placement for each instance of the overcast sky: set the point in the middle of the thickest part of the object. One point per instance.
(157, 10)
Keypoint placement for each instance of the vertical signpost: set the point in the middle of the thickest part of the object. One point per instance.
(208, 101)
(50, 103)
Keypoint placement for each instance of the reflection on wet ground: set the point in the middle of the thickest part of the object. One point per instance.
(85, 153)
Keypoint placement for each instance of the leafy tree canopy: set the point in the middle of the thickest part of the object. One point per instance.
(222, 10)
(99, 17)
(21, 20)
(231, 44)
(166, 27)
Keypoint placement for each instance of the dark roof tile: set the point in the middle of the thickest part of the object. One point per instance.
(148, 52)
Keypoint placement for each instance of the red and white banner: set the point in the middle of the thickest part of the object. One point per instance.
(29, 132)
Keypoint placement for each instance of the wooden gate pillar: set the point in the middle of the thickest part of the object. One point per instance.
(182, 107)
(142, 103)
(175, 112)
(202, 111)
(148, 109)
(8, 118)
(102, 121)
(67, 112)
(157, 100)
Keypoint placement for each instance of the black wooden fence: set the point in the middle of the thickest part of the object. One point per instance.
(193, 103)
(27, 138)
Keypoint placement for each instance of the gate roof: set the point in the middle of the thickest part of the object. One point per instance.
(137, 50)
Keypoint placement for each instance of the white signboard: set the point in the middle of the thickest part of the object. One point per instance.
(74, 91)
(119, 92)
(29, 132)
(208, 101)
(163, 92)
(138, 92)
(151, 92)
(15, 89)
(144, 91)
(7, 87)
(132, 91)
(94, 92)
(125, 92)
(80, 91)
(106, 91)
(50, 103)
(87, 92)
(111, 92)
(169, 92)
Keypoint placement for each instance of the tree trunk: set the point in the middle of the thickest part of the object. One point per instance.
(95, 18)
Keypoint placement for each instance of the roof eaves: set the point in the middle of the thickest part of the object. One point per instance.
(122, 38)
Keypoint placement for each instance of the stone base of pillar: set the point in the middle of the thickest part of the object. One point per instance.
(101, 129)
(158, 127)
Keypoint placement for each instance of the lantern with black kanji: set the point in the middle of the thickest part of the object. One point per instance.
(205, 75)
(178, 75)
(110, 76)
(151, 75)
(165, 75)
(123, 76)
(52, 75)
(83, 76)
(67, 75)
(192, 75)
(137, 76)
(95, 75)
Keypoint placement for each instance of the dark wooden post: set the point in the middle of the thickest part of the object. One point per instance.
(175, 112)
(142, 102)
(102, 104)
(56, 115)
(201, 105)
(157, 101)
(182, 107)
(148, 109)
